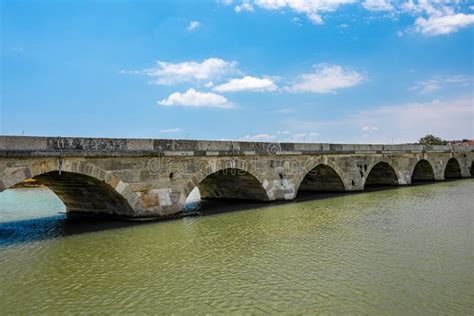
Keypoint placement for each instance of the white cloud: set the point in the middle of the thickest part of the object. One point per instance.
(443, 24)
(193, 25)
(172, 73)
(170, 130)
(246, 83)
(315, 18)
(411, 121)
(283, 136)
(244, 7)
(259, 138)
(437, 82)
(286, 110)
(326, 78)
(458, 79)
(449, 119)
(193, 98)
(306, 137)
(370, 128)
(433, 17)
(300, 6)
(439, 17)
(429, 7)
(311, 8)
(427, 86)
(297, 21)
(377, 5)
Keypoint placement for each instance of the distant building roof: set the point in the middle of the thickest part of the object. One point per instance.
(464, 142)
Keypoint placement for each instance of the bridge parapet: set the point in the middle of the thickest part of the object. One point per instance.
(71, 146)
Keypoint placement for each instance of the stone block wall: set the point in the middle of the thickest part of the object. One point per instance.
(152, 178)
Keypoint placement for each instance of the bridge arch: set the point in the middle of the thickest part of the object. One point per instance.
(82, 187)
(322, 178)
(232, 183)
(423, 171)
(381, 174)
(452, 170)
(227, 181)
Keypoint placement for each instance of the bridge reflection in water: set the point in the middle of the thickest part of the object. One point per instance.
(46, 219)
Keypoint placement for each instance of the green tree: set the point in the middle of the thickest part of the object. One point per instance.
(432, 140)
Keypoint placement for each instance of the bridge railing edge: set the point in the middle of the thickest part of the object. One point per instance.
(38, 146)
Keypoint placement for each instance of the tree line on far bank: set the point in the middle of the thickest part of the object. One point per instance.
(435, 140)
(432, 140)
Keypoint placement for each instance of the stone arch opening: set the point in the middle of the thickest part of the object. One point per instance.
(232, 183)
(422, 172)
(322, 178)
(382, 174)
(82, 194)
(453, 169)
(472, 169)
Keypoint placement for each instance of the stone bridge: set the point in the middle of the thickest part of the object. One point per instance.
(140, 178)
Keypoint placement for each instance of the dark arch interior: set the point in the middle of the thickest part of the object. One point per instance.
(422, 172)
(85, 194)
(232, 184)
(452, 170)
(382, 174)
(472, 168)
(322, 178)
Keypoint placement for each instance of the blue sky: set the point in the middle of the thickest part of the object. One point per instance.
(369, 71)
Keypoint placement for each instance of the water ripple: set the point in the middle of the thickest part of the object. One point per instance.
(403, 251)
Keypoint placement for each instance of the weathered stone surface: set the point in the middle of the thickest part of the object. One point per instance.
(150, 178)
(140, 144)
(81, 194)
(232, 184)
(72, 143)
(382, 174)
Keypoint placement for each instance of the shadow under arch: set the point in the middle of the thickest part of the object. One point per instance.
(321, 178)
(452, 169)
(232, 183)
(423, 171)
(472, 169)
(381, 174)
(84, 194)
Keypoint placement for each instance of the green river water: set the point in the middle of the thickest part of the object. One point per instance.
(403, 251)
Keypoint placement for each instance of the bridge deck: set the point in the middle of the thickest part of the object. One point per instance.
(27, 146)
